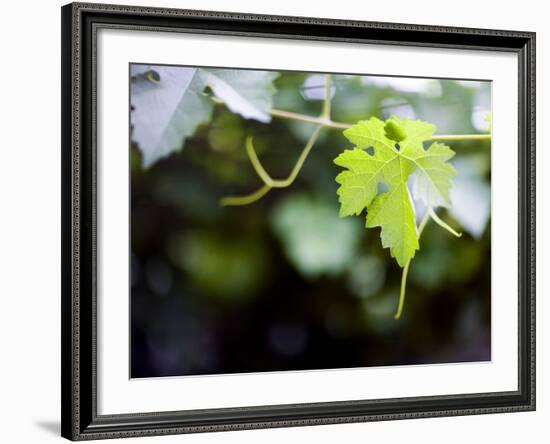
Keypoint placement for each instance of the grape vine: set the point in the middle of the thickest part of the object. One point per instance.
(398, 138)
(390, 152)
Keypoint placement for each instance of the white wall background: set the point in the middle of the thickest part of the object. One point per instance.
(30, 222)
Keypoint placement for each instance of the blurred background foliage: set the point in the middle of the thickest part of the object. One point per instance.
(284, 283)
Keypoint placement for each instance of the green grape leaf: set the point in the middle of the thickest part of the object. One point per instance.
(169, 103)
(433, 175)
(358, 185)
(378, 159)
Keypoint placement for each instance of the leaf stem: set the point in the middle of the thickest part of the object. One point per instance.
(300, 162)
(256, 164)
(245, 200)
(442, 224)
(327, 123)
(281, 183)
(402, 292)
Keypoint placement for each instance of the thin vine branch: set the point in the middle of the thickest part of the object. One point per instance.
(421, 227)
(245, 200)
(327, 123)
(430, 214)
(269, 182)
(442, 224)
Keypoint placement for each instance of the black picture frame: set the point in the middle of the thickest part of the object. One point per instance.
(80, 420)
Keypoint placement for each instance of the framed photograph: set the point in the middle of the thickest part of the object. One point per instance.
(280, 221)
